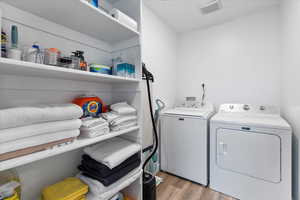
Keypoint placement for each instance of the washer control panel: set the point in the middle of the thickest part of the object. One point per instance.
(249, 108)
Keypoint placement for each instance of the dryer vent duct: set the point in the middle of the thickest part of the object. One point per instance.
(211, 7)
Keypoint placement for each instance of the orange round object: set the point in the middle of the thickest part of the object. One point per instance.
(54, 50)
(92, 106)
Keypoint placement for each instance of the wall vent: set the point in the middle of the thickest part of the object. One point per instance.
(211, 7)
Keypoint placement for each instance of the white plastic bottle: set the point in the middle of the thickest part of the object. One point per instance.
(32, 53)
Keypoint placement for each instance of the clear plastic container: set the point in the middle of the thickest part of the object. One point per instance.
(75, 64)
(121, 69)
(51, 56)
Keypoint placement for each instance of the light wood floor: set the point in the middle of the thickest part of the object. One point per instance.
(174, 188)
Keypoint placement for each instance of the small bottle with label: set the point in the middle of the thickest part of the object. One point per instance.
(82, 63)
(3, 44)
(33, 53)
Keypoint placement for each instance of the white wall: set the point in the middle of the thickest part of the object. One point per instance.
(239, 61)
(159, 53)
(290, 10)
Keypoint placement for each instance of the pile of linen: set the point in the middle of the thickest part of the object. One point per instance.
(122, 116)
(109, 165)
(94, 127)
(25, 130)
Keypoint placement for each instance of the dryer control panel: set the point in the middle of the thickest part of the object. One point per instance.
(259, 109)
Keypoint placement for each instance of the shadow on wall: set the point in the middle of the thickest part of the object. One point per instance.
(292, 115)
(295, 171)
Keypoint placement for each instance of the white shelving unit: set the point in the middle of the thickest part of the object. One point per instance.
(77, 144)
(22, 68)
(69, 25)
(79, 15)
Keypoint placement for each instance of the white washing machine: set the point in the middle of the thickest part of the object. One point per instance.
(250, 153)
(184, 139)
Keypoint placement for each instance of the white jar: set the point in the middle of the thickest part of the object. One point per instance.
(14, 53)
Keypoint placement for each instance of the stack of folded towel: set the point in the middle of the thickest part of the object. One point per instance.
(68, 189)
(25, 130)
(109, 164)
(121, 117)
(97, 191)
(94, 127)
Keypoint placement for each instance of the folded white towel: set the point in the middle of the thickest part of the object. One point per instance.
(90, 122)
(123, 126)
(22, 116)
(12, 134)
(112, 152)
(37, 140)
(123, 108)
(94, 127)
(99, 127)
(97, 191)
(110, 116)
(94, 132)
(123, 119)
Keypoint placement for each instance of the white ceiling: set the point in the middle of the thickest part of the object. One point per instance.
(185, 15)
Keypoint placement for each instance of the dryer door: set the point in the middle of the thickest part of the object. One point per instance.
(252, 154)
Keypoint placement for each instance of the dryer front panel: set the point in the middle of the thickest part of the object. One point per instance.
(253, 154)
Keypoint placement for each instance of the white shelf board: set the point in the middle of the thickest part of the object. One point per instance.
(77, 144)
(80, 16)
(22, 68)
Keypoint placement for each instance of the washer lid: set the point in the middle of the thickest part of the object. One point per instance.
(251, 115)
(252, 119)
(204, 112)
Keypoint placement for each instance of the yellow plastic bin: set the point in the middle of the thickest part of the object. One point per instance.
(68, 189)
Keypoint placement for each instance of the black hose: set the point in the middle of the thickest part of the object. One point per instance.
(153, 124)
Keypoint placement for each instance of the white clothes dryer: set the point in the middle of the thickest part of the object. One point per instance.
(250, 153)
